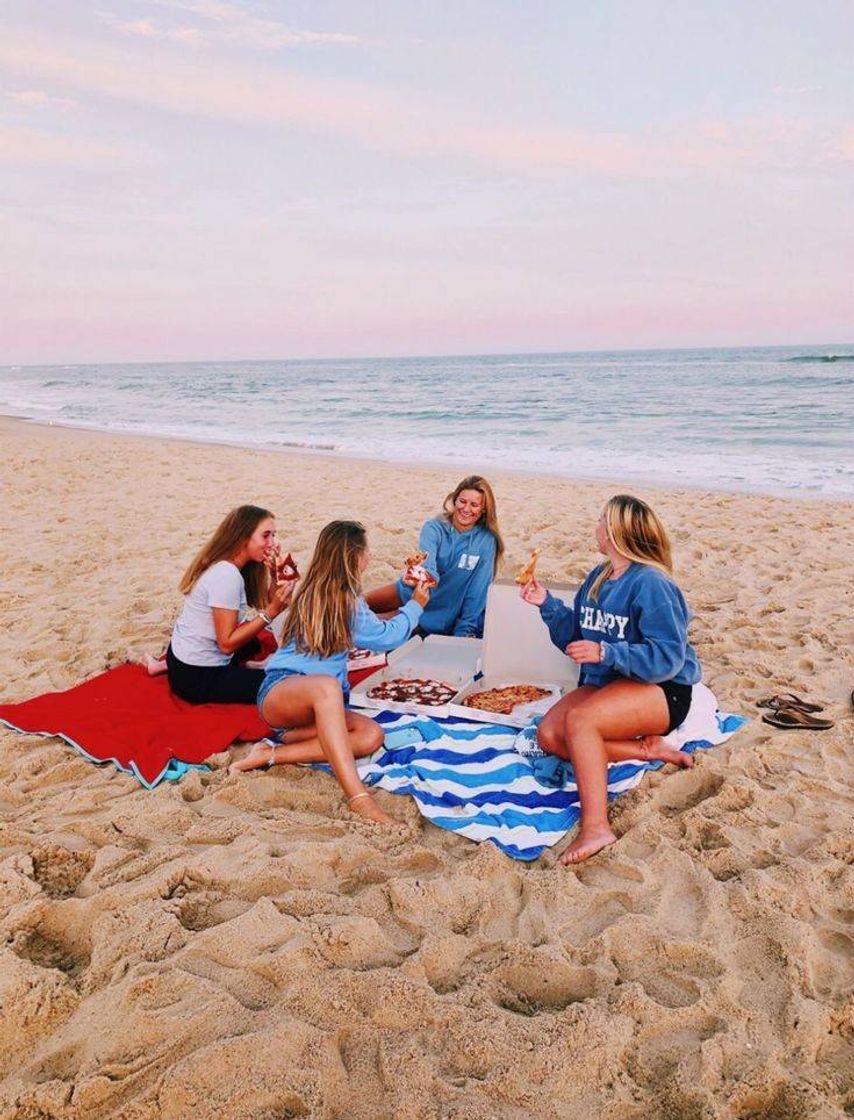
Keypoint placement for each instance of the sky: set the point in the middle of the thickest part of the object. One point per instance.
(235, 179)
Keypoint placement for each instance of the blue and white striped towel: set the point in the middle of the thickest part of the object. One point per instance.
(469, 778)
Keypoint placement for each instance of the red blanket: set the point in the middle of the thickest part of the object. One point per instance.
(127, 717)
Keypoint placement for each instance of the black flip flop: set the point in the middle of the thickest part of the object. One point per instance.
(789, 700)
(793, 719)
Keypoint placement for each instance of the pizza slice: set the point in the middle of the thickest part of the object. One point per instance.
(527, 572)
(415, 570)
(286, 569)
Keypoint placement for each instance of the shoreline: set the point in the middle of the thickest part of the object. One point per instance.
(453, 466)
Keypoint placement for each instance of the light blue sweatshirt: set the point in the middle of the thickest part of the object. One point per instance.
(464, 565)
(642, 619)
(367, 632)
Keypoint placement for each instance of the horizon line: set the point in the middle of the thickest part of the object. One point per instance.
(421, 356)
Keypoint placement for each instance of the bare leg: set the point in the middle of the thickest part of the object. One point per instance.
(551, 735)
(618, 713)
(303, 745)
(315, 703)
(648, 748)
(384, 599)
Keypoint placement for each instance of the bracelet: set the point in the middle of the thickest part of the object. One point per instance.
(267, 620)
(601, 652)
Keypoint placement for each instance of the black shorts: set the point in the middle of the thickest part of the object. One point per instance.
(678, 697)
(213, 684)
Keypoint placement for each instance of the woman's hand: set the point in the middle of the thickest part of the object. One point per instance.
(585, 653)
(280, 596)
(533, 592)
(421, 594)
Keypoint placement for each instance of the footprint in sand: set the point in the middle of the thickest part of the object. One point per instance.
(686, 789)
(542, 985)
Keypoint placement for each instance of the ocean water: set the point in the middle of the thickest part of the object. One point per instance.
(773, 420)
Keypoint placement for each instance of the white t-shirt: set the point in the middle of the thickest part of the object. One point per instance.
(194, 637)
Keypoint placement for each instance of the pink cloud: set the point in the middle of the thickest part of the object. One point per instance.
(421, 126)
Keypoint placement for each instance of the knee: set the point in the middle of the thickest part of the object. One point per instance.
(326, 689)
(371, 737)
(549, 738)
(576, 722)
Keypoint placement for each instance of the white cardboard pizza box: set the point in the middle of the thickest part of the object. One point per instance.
(517, 649)
(453, 660)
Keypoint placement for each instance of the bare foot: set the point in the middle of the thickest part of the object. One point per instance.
(587, 844)
(655, 749)
(154, 665)
(365, 806)
(260, 754)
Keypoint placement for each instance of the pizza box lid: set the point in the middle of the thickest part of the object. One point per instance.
(516, 642)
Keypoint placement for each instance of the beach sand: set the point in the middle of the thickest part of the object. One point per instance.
(244, 947)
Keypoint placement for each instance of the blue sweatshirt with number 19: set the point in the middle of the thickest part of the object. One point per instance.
(642, 620)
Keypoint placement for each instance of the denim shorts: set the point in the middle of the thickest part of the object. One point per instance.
(270, 681)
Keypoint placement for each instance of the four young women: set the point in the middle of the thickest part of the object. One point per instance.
(627, 629)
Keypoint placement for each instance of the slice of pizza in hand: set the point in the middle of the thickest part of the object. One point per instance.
(527, 572)
(286, 568)
(415, 570)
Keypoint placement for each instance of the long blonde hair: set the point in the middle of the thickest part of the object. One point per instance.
(636, 532)
(321, 615)
(233, 532)
(489, 514)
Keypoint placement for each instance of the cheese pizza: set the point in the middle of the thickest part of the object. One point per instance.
(504, 700)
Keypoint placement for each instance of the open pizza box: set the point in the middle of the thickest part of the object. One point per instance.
(517, 650)
(454, 661)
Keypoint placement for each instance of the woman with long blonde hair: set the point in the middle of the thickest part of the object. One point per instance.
(464, 549)
(305, 689)
(229, 575)
(628, 630)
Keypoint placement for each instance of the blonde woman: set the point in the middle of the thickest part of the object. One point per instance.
(229, 575)
(464, 548)
(305, 689)
(628, 630)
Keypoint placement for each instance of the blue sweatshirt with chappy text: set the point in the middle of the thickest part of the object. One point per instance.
(641, 618)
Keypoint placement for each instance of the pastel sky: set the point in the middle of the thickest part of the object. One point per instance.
(203, 179)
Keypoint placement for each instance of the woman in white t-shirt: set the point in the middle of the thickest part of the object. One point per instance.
(229, 575)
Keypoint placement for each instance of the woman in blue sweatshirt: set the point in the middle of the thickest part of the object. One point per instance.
(464, 548)
(628, 630)
(305, 685)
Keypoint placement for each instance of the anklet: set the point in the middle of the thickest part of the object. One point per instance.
(356, 796)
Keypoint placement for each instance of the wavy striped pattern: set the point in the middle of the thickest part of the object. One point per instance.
(470, 779)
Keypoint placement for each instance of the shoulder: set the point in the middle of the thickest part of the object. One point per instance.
(222, 574)
(653, 583)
